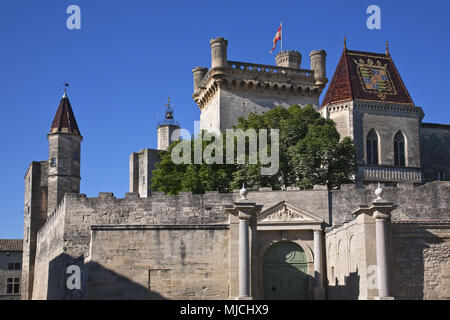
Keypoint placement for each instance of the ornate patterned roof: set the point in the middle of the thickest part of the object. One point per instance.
(64, 120)
(10, 245)
(366, 76)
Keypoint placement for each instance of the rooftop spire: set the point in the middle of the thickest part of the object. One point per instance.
(345, 43)
(387, 47)
(64, 121)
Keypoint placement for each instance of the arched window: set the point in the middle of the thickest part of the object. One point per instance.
(372, 147)
(399, 149)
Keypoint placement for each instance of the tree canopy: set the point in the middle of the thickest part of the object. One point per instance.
(310, 153)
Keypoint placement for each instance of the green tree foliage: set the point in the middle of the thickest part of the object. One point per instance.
(310, 153)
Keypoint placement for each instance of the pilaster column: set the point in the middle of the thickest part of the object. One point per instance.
(382, 258)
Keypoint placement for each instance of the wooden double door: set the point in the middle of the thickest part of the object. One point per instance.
(285, 272)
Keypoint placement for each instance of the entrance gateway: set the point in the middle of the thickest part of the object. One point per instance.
(285, 272)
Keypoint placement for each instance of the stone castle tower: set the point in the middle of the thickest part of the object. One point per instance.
(64, 155)
(142, 163)
(231, 89)
(168, 130)
(46, 182)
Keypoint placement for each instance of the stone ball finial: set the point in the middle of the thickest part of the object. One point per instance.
(379, 192)
(243, 192)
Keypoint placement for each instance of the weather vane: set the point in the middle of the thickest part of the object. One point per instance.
(66, 85)
(168, 103)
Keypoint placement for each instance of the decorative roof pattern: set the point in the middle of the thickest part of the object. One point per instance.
(64, 121)
(366, 76)
(11, 245)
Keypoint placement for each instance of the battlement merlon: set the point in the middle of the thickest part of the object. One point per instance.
(284, 78)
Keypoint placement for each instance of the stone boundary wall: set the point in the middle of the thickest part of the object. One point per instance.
(185, 208)
(420, 260)
(159, 262)
(430, 201)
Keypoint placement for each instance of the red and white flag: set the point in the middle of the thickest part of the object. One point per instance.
(277, 38)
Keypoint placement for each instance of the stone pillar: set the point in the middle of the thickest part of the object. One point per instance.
(382, 257)
(244, 210)
(319, 292)
(378, 213)
(244, 258)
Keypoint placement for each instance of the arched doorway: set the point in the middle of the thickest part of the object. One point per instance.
(285, 272)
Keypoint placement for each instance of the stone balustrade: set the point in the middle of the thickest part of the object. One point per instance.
(396, 174)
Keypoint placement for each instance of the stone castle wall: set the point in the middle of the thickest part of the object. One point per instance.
(435, 151)
(66, 237)
(50, 245)
(153, 245)
(420, 260)
(427, 202)
(159, 262)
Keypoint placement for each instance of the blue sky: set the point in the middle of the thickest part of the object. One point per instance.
(129, 56)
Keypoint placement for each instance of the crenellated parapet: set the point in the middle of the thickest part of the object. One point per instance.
(256, 78)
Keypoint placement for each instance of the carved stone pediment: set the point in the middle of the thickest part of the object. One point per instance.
(285, 212)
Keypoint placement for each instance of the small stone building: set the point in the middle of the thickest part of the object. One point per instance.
(10, 269)
(358, 242)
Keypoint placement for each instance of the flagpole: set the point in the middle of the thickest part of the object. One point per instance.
(281, 35)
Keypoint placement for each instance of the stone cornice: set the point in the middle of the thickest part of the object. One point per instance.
(110, 227)
(373, 106)
(249, 77)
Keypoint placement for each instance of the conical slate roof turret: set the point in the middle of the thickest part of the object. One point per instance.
(64, 121)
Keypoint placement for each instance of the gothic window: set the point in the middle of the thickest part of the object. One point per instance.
(399, 149)
(76, 155)
(372, 147)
